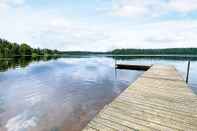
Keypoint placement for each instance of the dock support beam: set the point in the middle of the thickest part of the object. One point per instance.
(188, 69)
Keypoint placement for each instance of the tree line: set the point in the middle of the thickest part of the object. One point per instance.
(167, 51)
(9, 49)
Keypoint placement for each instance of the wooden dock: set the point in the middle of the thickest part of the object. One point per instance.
(159, 100)
(133, 67)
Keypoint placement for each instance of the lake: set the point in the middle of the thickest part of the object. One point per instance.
(64, 94)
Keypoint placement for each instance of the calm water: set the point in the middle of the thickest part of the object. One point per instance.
(64, 94)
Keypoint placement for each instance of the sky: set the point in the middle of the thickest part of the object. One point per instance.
(99, 25)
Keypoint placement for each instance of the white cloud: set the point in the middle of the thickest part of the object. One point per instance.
(57, 32)
(155, 35)
(141, 8)
(46, 29)
(136, 8)
(72, 37)
(51, 29)
(183, 6)
(11, 3)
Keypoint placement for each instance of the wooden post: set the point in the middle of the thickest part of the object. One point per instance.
(115, 61)
(115, 68)
(188, 69)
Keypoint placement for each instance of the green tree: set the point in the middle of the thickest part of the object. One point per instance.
(25, 49)
(9, 49)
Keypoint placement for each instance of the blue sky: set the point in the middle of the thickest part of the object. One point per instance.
(100, 25)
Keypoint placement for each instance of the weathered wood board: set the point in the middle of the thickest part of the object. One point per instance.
(159, 100)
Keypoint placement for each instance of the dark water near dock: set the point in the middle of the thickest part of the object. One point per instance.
(64, 94)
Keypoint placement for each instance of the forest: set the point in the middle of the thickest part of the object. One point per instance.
(9, 49)
(167, 51)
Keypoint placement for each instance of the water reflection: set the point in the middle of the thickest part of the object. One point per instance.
(64, 94)
(61, 94)
(12, 63)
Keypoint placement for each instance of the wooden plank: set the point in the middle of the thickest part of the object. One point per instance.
(159, 100)
(133, 67)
